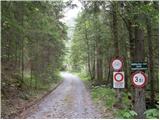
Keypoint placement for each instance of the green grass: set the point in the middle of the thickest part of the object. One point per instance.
(83, 75)
(103, 94)
(34, 83)
(33, 87)
(107, 98)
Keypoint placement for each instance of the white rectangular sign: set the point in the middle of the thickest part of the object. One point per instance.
(118, 80)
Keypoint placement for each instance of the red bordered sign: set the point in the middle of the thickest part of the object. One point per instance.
(118, 80)
(117, 63)
(118, 76)
(139, 79)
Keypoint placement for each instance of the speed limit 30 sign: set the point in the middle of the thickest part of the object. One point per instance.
(139, 79)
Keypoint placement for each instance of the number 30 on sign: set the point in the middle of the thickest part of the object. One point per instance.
(139, 79)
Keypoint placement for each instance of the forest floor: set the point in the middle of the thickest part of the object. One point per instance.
(15, 99)
(71, 99)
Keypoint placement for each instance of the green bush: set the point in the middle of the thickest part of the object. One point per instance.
(106, 95)
(83, 75)
(125, 114)
(127, 104)
(38, 83)
(152, 113)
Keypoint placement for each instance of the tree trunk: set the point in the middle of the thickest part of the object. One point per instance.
(22, 59)
(150, 62)
(8, 50)
(94, 66)
(126, 72)
(99, 68)
(31, 73)
(116, 46)
(139, 97)
(88, 53)
(108, 80)
(131, 40)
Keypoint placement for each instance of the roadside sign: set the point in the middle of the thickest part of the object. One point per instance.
(118, 80)
(117, 64)
(139, 79)
(139, 66)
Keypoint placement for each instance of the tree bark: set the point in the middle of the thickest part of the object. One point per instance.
(139, 97)
(116, 46)
(88, 52)
(131, 40)
(99, 68)
(22, 50)
(150, 58)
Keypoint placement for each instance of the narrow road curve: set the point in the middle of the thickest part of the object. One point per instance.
(70, 100)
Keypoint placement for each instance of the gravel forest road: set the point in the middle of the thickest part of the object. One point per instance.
(70, 100)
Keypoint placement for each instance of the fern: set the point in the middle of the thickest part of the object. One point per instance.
(152, 114)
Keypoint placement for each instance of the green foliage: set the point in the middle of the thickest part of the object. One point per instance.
(40, 84)
(83, 75)
(126, 114)
(104, 94)
(125, 101)
(152, 113)
(93, 42)
(24, 96)
(33, 40)
(32, 43)
(90, 36)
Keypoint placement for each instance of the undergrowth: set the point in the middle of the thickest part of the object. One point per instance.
(18, 92)
(106, 96)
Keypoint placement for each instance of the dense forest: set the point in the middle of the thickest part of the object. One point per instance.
(109, 29)
(32, 48)
(33, 52)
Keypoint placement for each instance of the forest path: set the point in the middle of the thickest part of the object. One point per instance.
(70, 100)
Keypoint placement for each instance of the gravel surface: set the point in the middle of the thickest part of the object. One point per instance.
(70, 100)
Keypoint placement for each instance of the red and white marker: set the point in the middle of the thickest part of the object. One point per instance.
(117, 64)
(118, 80)
(139, 79)
(118, 76)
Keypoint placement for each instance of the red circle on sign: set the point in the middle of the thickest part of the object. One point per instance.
(120, 75)
(117, 58)
(145, 79)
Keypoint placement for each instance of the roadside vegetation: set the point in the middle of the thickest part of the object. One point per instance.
(33, 47)
(33, 52)
(127, 29)
(104, 97)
